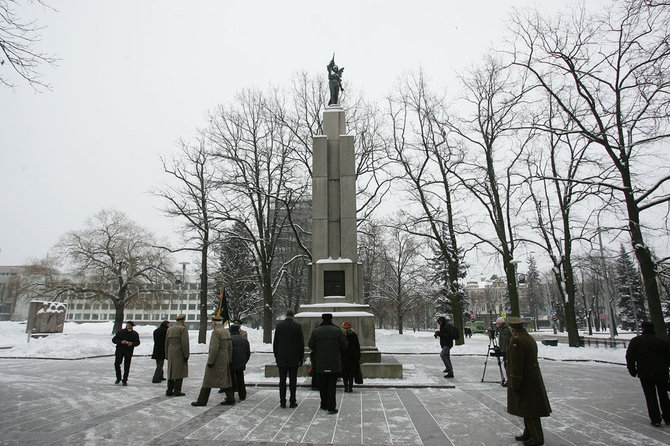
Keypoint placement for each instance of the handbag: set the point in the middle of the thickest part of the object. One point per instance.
(358, 378)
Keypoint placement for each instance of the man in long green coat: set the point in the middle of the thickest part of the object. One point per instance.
(217, 373)
(177, 349)
(526, 395)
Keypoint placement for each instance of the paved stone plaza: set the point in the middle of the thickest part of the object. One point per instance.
(76, 403)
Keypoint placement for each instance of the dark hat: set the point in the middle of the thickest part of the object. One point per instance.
(217, 318)
(130, 323)
(327, 316)
(237, 322)
(234, 328)
(514, 320)
(647, 327)
(181, 317)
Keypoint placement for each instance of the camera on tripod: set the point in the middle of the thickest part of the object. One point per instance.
(494, 351)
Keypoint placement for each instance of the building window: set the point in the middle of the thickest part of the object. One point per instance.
(155, 317)
(94, 316)
(182, 306)
(191, 306)
(87, 317)
(80, 306)
(191, 317)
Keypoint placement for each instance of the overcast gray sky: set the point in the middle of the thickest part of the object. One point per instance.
(134, 77)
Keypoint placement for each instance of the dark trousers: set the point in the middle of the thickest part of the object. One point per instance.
(327, 383)
(158, 374)
(238, 383)
(124, 357)
(651, 388)
(533, 427)
(174, 386)
(292, 373)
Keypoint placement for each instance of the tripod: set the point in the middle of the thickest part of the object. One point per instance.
(493, 350)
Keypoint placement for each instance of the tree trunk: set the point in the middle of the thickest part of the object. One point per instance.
(202, 331)
(118, 316)
(400, 326)
(267, 308)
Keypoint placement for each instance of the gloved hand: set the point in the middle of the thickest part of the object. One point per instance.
(210, 365)
(633, 373)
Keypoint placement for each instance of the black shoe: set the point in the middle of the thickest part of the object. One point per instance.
(282, 405)
(323, 408)
(445, 371)
(125, 383)
(221, 391)
(522, 437)
(532, 442)
(196, 404)
(155, 382)
(242, 398)
(179, 394)
(169, 394)
(163, 379)
(449, 375)
(504, 384)
(332, 411)
(117, 381)
(656, 423)
(227, 402)
(293, 405)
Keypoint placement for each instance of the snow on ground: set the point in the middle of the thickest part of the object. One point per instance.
(80, 340)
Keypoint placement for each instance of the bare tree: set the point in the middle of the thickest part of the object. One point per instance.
(405, 285)
(419, 146)
(261, 183)
(609, 73)
(19, 54)
(190, 196)
(492, 140)
(113, 258)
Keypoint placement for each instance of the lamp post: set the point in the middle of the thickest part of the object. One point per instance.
(183, 279)
(514, 264)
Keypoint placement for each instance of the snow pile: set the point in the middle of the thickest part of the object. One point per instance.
(94, 339)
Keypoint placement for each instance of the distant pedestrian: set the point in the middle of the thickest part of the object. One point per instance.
(177, 350)
(288, 347)
(238, 363)
(351, 357)
(217, 372)
(158, 353)
(467, 332)
(526, 395)
(328, 342)
(648, 358)
(447, 333)
(126, 340)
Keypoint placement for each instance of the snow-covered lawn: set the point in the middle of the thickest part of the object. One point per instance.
(93, 339)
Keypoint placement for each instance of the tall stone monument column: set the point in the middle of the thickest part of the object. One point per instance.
(335, 276)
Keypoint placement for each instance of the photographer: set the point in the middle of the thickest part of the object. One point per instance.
(504, 335)
(447, 333)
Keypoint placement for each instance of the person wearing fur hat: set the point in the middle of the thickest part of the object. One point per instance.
(328, 342)
(526, 395)
(648, 358)
(126, 340)
(351, 357)
(177, 350)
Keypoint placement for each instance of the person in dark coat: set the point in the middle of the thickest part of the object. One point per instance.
(288, 347)
(648, 358)
(526, 395)
(328, 343)
(238, 362)
(126, 340)
(446, 334)
(504, 335)
(351, 357)
(158, 353)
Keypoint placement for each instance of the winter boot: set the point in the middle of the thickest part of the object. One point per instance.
(203, 397)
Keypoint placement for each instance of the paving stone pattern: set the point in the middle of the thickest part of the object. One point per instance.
(77, 403)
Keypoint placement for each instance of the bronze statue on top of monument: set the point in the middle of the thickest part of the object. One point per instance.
(334, 81)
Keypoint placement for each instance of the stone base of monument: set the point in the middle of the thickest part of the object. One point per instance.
(373, 365)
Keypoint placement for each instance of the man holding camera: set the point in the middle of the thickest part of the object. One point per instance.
(504, 335)
(447, 333)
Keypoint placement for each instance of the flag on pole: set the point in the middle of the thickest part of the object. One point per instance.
(222, 311)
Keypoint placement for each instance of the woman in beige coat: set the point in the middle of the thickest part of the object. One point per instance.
(217, 373)
(177, 350)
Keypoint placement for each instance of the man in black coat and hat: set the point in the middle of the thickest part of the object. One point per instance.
(328, 342)
(288, 347)
(648, 358)
(158, 353)
(126, 340)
